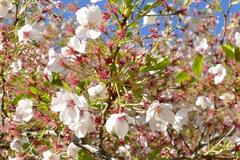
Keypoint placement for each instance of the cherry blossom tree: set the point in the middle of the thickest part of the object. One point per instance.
(119, 79)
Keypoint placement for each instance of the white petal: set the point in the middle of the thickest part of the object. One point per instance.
(77, 45)
(151, 110)
(72, 150)
(80, 128)
(51, 53)
(81, 102)
(121, 128)
(148, 20)
(157, 125)
(48, 155)
(95, 1)
(58, 105)
(24, 111)
(81, 33)
(16, 145)
(90, 148)
(93, 33)
(213, 70)
(110, 123)
(237, 38)
(3, 12)
(95, 15)
(69, 115)
(166, 114)
(82, 16)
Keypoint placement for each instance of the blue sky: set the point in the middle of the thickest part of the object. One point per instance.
(224, 4)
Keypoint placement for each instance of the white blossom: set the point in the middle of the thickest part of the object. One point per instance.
(16, 145)
(181, 118)
(70, 106)
(124, 150)
(54, 64)
(159, 115)
(204, 102)
(227, 97)
(48, 155)
(31, 32)
(16, 66)
(83, 126)
(5, 6)
(97, 91)
(24, 111)
(237, 38)
(90, 20)
(200, 44)
(150, 18)
(219, 71)
(119, 123)
(72, 150)
(77, 45)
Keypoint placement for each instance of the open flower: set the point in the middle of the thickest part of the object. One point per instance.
(24, 111)
(181, 118)
(70, 106)
(83, 126)
(124, 150)
(16, 66)
(48, 155)
(54, 64)
(219, 71)
(119, 123)
(16, 145)
(97, 91)
(5, 6)
(227, 97)
(72, 150)
(150, 18)
(204, 102)
(74, 47)
(159, 115)
(31, 32)
(200, 44)
(77, 45)
(237, 38)
(90, 20)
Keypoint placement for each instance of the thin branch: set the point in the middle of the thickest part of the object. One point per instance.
(225, 23)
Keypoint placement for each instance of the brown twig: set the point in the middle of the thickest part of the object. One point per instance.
(225, 23)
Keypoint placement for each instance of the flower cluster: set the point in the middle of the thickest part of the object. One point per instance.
(119, 79)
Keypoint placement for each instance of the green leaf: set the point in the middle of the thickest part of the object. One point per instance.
(66, 86)
(235, 2)
(34, 90)
(182, 77)
(197, 65)
(237, 54)
(56, 79)
(229, 50)
(80, 87)
(84, 155)
(148, 6)
(19, 97)
(156, 66)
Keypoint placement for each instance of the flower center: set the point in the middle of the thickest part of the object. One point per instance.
(123, 118)
(26, 34)
(70, 104)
